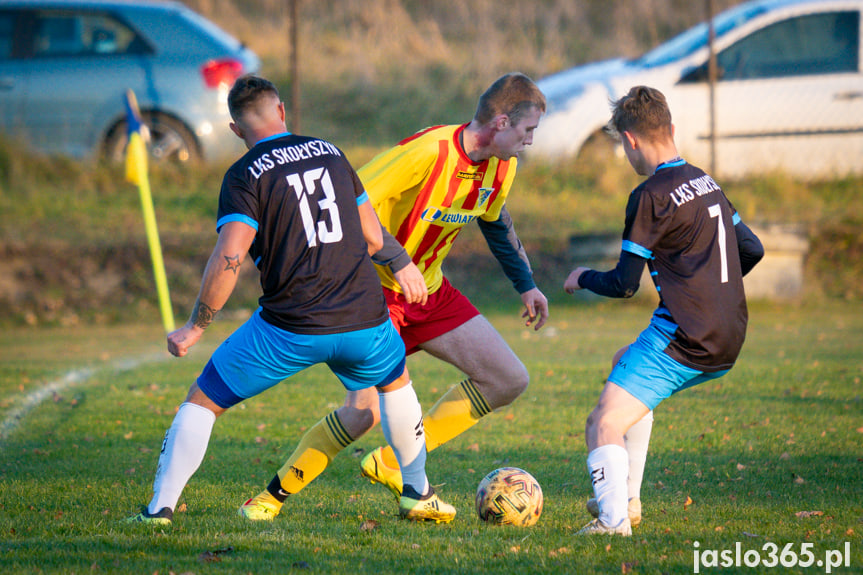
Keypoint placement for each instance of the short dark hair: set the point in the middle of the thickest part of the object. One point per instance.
(511, 94)
(246, 91)
(644, 111)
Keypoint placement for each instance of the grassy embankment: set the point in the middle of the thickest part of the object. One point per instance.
(74, 248)
(71, 238)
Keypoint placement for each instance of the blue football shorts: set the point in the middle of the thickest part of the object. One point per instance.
(651, 375)
(259, 355)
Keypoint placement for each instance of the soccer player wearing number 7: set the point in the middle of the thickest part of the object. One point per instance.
(697, 249)
(295, 206)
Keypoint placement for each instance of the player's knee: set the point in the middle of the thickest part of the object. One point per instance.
(521, 379)
(590, 423)
(517, 379)
(601, 422)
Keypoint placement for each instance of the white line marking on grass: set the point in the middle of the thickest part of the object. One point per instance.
(72, 378)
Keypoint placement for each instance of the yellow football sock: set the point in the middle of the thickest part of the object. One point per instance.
(316, 450)
(458, 410)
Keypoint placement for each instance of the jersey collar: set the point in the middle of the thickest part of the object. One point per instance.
(673, 163)
(273, 137)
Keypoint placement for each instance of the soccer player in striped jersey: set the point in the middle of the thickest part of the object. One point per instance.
(680, 223)
(425, 190)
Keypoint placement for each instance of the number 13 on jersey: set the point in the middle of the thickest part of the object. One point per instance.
(304, 187)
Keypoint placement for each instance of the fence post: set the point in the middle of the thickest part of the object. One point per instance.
(711, 80)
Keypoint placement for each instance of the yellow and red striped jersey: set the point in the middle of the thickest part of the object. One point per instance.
(425, 189)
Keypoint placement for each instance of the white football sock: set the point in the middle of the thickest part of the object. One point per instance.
(183, 451)
(608, 466)
(637, 439)
(402, 424)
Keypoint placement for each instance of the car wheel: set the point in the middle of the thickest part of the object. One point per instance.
(170, 140)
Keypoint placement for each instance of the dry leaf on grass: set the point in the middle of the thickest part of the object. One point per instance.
(215, 555)
(809, 514)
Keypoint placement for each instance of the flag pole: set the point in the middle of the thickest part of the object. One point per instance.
(136, 173)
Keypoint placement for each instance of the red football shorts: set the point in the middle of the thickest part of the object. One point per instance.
(445, 310)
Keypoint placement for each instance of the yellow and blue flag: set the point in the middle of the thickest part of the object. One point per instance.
(136, 149)
(136, 173)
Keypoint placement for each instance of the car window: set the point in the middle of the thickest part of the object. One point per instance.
(813, 44)
(199, 22)
(696, 37)
(72, 34)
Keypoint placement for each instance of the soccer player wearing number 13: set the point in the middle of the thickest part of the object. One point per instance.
(697, 249)
(297, 207)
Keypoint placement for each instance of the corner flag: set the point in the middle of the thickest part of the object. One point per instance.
(136, 173)
(136, 149)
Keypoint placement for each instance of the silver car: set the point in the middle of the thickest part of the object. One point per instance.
(65, 67)
(789, 94)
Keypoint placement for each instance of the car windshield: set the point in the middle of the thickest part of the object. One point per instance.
(688, 42)
(212, 29)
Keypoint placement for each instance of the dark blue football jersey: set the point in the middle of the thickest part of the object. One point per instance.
(681, 222)
(301, 196)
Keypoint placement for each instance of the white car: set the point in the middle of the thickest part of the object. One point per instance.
(789, 95)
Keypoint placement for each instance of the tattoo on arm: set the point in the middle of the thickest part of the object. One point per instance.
(203, 315)
(232, 263)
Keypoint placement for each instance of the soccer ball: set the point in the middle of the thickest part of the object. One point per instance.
(509, 496)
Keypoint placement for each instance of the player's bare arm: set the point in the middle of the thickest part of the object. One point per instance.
(202, 315)
(570, 286)
(220, 278)
(371, 227)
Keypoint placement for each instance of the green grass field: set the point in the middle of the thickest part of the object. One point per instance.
(770, 456)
